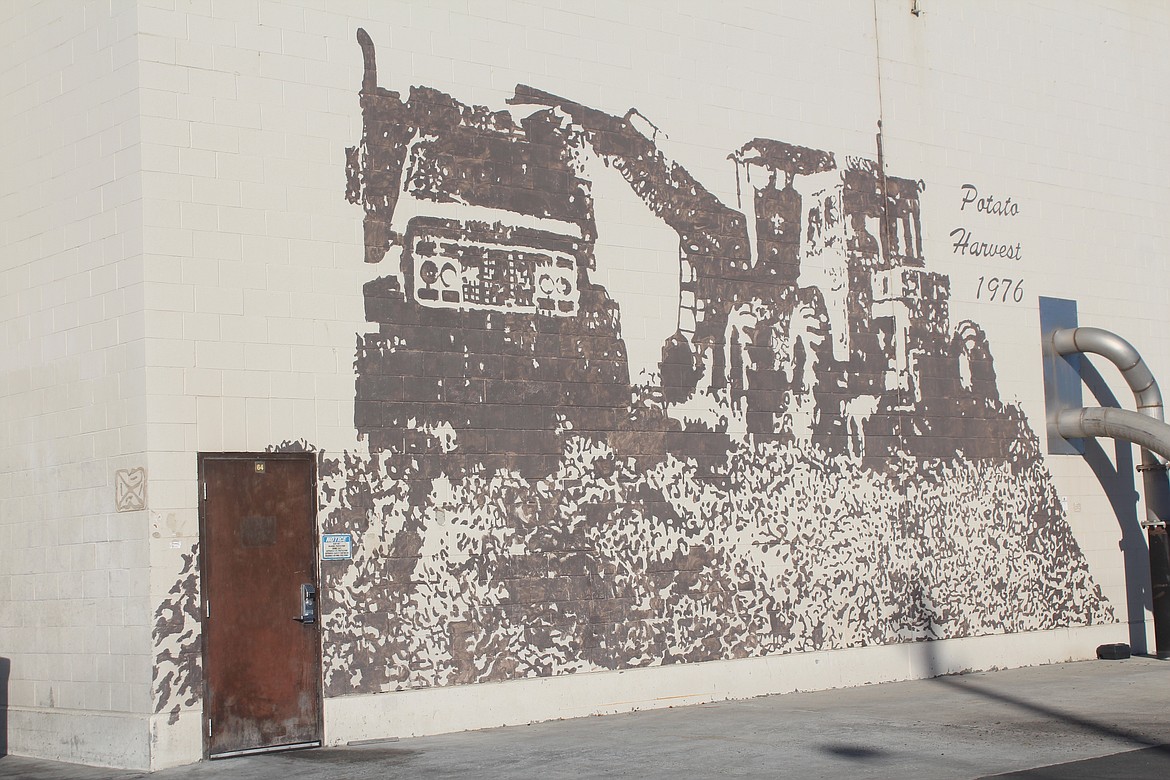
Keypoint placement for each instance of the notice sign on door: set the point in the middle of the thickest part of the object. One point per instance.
(336, 547)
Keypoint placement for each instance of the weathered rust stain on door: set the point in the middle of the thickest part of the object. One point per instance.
(259, 547)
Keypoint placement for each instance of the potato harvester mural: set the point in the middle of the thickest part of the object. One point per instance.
(820, 460)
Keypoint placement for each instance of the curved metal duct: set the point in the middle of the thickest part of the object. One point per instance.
(1140, 429)
(1068, 341)
(1147, 429)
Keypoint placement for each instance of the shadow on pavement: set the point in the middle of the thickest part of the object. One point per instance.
(855, 752)
(967, 684)
(1146, 764)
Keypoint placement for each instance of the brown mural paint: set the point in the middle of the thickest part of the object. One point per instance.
(814, 465)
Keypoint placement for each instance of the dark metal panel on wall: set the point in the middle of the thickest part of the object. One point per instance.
(1062, 374)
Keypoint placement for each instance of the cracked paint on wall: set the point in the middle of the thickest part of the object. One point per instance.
(178, 640)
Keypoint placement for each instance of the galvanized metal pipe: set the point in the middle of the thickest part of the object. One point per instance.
(1147, 429)
(1142, 430)
(1153, 435)
(1069, 341)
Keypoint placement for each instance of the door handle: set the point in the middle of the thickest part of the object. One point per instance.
(308, 604)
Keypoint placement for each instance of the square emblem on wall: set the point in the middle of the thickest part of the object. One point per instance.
(130, 489)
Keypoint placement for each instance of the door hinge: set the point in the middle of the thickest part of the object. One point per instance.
(207, 609)
(209, 727)
(204, 490)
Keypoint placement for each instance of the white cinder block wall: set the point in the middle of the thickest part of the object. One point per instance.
(1056, 106)
(181, 272)
(74, 619)
(246, 108)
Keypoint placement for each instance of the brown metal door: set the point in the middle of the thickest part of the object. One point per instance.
(262, 662)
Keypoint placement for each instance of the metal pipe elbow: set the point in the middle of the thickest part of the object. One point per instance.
(1115, 349)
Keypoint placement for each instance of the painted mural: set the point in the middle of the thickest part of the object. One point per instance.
(177, 681)
(820, 460)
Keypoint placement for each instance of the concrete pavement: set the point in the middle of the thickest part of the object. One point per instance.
(1093, 719)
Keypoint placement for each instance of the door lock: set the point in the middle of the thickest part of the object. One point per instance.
(308, 604)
